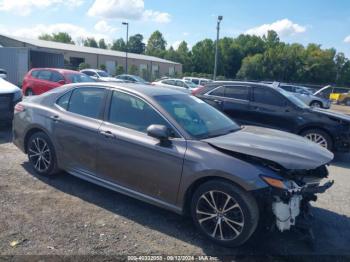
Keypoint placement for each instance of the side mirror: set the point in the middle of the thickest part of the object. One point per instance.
(62, 82)
(158, 131)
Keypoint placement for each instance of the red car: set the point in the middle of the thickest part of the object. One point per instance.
(41, 80)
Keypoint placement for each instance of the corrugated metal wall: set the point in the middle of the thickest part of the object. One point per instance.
(15, 62)
(45, 59)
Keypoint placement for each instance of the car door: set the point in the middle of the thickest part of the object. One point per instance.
(76, 126)
(130, 158)
(269, 108)
(236, 103)
(43, 82)
(214, 97)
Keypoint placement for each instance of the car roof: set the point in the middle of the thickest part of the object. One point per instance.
(60, 70)
(140, 89)
(211, 85)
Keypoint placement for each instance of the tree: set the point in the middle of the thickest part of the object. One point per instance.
(119, 45)
(102, 44)
(184, 57)
(203, 54)
(61, 37)
(133, 70)
(171, 55)
(119, 70)
(136, 45)
(83, 66)
(252, 68)
(103, 67)
(156, 44)
(90, 42)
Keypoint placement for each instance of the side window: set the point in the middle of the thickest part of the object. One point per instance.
(195, 81)
(180, 84)
(237, 92)
(35, 73)
(56, 77)
(131, 112)
(63, 101)
(218, 91)
(87, 101)
(267, 96)
(45, 75)
(169, 82)
(288, 88)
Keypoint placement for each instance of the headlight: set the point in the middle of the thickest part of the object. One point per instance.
(17, 96)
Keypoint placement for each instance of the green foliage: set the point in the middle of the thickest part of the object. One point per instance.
(119, 70)
(83, 66)
(119, 45)
(103, 67)
(136, 45)
(90, 42)
(102, 44)
(133, 70)
(156, 45)
(61, 37)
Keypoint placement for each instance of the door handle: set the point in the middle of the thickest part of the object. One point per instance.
(55, 118)
(107, 134)
(218, 101)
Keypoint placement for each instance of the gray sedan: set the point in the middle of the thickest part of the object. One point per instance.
(174, 151)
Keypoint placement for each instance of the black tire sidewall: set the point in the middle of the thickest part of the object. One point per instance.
(244, 199)
(53, 165)
(316, 102)
(322, 133)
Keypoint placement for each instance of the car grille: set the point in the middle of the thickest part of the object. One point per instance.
(6, 102)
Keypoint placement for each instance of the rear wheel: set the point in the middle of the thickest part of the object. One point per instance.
(41, 154)
(319, 137)
(316, 104)
(224, 213)
(29, 92)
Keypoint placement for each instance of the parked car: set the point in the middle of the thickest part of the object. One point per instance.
(264, 105)
(177, 84)
(174, 151)
(41, 80)
(331, 92)
(305, 95)
(344, 99)
(3, 74)
(132, 79)
(99, 75)
(10, 95)
(198, 81)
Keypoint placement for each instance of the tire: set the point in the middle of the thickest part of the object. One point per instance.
(316, 104)
(29, 92)
(316, 134)
(41, 154)
(241, 208)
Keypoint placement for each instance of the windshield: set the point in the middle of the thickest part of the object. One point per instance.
(198, 118)
(79, 78)
(139, 79)
(296, 101)
(191, 84)
(103, 74)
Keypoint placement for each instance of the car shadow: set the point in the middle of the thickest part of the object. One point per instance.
(341, 160)
(332, 230)
(5, 134)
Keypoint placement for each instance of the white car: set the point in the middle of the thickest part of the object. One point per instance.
(177, 84)
(99, 75)
(198, 81)
(10, 95)
(3, 74)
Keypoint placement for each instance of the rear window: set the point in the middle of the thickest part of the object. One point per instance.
(237, 92)
(45, 75)
(35, 73)
(195, 81)
(56, 77)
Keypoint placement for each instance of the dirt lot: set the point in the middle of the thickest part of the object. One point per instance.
(66, 216)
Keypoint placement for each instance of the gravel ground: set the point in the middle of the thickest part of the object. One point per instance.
(68, 216)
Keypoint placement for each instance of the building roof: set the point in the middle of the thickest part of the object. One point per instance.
(84, 49)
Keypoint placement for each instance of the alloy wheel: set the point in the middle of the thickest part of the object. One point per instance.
(219, 215)
(318, 139)
(316, 105)
(40, 154)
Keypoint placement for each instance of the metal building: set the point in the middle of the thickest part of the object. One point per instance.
(18, 55)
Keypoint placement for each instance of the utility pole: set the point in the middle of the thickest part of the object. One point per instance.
(217, 43)
(126, 47)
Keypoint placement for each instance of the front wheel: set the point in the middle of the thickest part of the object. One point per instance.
(41, 154)
(224, 213)
(319, 137)
(316, 104)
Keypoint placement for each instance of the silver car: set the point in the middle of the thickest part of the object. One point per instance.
(305, 95)
(174, 151)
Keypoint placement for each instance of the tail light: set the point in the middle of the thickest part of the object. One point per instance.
(19, 108)
(197, 90)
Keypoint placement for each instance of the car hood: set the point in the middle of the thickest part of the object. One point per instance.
(331, 113)
(288, 150)
(6, 87)
(109, 79)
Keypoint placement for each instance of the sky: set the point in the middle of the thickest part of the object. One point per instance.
(323, 22)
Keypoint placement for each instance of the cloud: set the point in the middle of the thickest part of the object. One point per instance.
(347, 39)
(126, 9)
(77, 32)
(25, 7)
(103, 27)
(283, 27)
